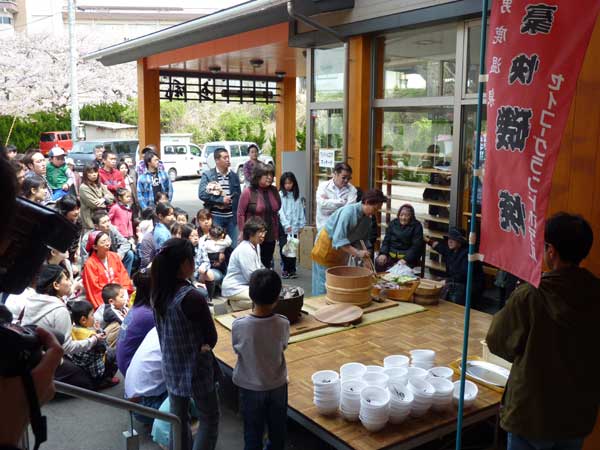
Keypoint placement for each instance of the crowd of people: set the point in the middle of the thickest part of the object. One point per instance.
(134, 290)
(133, 294)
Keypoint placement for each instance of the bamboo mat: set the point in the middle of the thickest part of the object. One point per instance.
(313, 303)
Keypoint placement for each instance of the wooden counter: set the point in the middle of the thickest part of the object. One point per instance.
(439, 328)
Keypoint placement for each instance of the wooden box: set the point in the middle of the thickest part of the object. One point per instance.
(307, 242)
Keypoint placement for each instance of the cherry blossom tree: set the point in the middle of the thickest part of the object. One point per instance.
(34, 75)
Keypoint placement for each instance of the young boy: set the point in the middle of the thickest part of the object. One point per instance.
(115, 310)
(99, 362)
(181, 216)
(57, 174)
(260, 372)
(218, 248)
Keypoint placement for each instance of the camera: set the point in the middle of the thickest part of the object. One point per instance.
(34, 228)
(21, 349)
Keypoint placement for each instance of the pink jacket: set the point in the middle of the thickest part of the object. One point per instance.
(121, 217)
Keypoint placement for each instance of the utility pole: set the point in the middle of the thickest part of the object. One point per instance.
(73, 68)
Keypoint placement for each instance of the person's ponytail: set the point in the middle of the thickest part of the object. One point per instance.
(164, 270)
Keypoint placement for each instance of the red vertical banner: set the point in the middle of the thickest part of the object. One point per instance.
(535, 50)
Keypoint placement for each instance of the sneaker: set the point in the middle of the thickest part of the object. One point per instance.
(108, 383)
(285, 275)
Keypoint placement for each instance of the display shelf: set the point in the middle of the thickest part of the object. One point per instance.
(415, 184)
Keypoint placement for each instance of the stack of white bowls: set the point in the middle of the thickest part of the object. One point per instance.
(471, 391)
(417, 372)
(441, 372)
(401, 399)
(327, 391)
(379, 379)
(442, 397)
(423, 396)
(352, 371)
(423, 358)
(350, 399)
(396, 361)
(397, 375)
(374, 407)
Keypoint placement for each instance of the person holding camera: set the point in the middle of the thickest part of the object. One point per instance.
(46, 309)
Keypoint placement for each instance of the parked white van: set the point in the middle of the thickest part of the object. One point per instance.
(180, 156)
(238, 153)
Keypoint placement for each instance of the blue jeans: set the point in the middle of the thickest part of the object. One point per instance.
(260, 408)
(128, 260)
(228, 225)
(150, 402)
(318, 279)
(208, 417)
(520, 443)
(57, 194)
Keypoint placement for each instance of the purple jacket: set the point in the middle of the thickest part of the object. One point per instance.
(134, 328)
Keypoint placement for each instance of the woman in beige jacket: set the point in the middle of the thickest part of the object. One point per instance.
(93, 195)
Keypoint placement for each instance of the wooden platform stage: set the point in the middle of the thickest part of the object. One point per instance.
(439, 328)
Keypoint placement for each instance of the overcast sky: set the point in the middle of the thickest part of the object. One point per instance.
(208, 5)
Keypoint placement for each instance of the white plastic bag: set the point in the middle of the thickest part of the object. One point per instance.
(290, 249)
(400, 269)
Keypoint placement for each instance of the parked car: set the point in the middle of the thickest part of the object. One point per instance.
(238, 152)
(51, 139)
(181, 157)
(83, 151)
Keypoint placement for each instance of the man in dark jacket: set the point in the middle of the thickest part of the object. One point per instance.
(550, 334)
(220, 191)
(456, 253)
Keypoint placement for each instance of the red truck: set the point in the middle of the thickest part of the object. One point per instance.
(51, 139)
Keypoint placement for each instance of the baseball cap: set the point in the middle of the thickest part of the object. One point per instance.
(56, 151)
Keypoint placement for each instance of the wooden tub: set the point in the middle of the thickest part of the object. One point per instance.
(350, 285)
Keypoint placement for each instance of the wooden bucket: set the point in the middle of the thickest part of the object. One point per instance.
(428, 292)
(350, 285)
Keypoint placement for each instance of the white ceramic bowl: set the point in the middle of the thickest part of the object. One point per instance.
(375, 368)
(349, 416)
(325, 377)
(327, 410)
(416, 372)
(352, 370)
(396, 361)
(372, 426)
(422, 354)
(420, 388)
(471, 391)
(394, 372)
(421, 365)
(376, 379)
(442, 386)
(375, 396)
(441, 372)
(353, 387)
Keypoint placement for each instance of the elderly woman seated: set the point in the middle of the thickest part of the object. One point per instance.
(403, 241)
(244, 260)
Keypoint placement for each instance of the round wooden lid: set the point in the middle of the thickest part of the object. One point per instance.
(338, 314)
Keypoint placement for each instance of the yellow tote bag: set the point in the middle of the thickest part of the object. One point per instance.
(324, 254)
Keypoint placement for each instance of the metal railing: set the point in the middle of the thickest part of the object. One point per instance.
(118, 403)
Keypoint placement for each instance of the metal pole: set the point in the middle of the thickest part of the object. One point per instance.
(118, 403)
(73, 68)
(472, 239)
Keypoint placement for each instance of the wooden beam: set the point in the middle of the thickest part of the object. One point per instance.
(285, 122)
(359, 82)
(148, 105)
